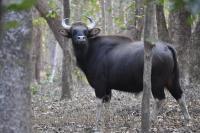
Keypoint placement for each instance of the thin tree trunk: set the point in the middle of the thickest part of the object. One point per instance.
(103, 16)
(131, 24)
(149, 21)
(36, 49)
(163, 33)
(67, 58)
(195, 54)
(0, 9)
(117, 13)
(78, 10)
(180, 33)
(33, 58)
(121, 10)
(15, 73)
(154, 30)
(109, 18)
(139, 19)
(36, 54)
(54, 24)
(38, 41)
(53, 63)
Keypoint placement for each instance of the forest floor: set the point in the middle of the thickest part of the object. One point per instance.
(50, 115)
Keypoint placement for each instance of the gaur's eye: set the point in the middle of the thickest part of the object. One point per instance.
(85, 32)
(75, 32)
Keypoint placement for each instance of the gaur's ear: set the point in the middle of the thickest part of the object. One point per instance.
(64, 33)
(94, 32)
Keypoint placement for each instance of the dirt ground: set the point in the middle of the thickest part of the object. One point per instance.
(50, 115)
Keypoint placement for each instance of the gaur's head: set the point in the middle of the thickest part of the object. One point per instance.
(79, 32)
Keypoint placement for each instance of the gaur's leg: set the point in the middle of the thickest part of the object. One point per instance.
(99, 109)
(159, 97)
(178, 94)
(156, 108)
(106, 102)
(182, 104)
(107, 98)
(103, 99)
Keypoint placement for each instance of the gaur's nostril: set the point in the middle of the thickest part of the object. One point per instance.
(81, 38)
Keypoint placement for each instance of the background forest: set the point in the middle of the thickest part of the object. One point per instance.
(33, 55)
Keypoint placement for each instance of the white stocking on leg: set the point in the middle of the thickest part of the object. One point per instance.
(99, 112)
(156, 109)
(183, 107)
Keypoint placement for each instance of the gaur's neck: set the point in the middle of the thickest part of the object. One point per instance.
(80, 54)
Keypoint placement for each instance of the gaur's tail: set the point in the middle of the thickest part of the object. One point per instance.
(176, 67)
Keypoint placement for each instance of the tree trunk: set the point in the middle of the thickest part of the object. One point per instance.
(78, 9)
(195, 54)
(131, 23)
(180, 33)
(163, 33)
(154, 31)
(67, 58)
(38, 55)
(36, 50)
(53, 62)
(135, 21)
(118, 14)
(149, 21)
(139, 19)
(109, 17)
(102, 2)
(15, 73)
(0, 9)
(54, 24)
(131, 17)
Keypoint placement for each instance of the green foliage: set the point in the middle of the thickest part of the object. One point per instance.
(11, 25)
(52, 4)
(48, 74)
(53, 13)
(130, 13)
(17, 6)
(110, 10)
(39, 21)
(193, 6)
(24, 5)
(176, 4)
(93, 2)
(119, 21)
(131, 6)
(91, 9)
(34, 89)
(192, 19)
(159, 1)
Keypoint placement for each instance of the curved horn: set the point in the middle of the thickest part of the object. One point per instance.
(65, 25)
(92, 23)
